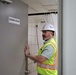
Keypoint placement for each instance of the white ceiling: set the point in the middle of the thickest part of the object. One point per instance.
(40, 6)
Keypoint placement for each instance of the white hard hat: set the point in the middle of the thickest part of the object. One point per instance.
(48, 27)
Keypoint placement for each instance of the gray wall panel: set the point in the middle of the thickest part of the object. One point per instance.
(13, 38)
(69, 37)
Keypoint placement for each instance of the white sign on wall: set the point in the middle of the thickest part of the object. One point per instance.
(14, 20)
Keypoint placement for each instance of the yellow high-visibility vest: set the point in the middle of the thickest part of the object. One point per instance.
(49, 67)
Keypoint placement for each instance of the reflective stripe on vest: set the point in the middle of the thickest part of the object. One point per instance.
(46, 66)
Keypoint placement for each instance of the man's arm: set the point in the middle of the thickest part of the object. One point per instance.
(46, 54)
(37, 58)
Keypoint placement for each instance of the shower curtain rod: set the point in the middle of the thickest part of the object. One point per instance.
(33, 14)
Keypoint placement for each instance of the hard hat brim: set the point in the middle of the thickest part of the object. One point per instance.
(47, 30)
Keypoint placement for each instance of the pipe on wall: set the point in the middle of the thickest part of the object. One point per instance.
(37, 36)
(45, 13)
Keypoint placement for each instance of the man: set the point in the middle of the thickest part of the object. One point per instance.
(47, 55)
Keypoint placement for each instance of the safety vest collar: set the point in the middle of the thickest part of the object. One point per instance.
(48, 43)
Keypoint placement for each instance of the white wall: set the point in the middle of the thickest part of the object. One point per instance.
(32, 40)
(69, 36)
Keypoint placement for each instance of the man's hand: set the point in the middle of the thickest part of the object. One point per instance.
(36, 58)
(27, 50)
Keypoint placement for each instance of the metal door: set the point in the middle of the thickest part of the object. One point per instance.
(13, 37)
